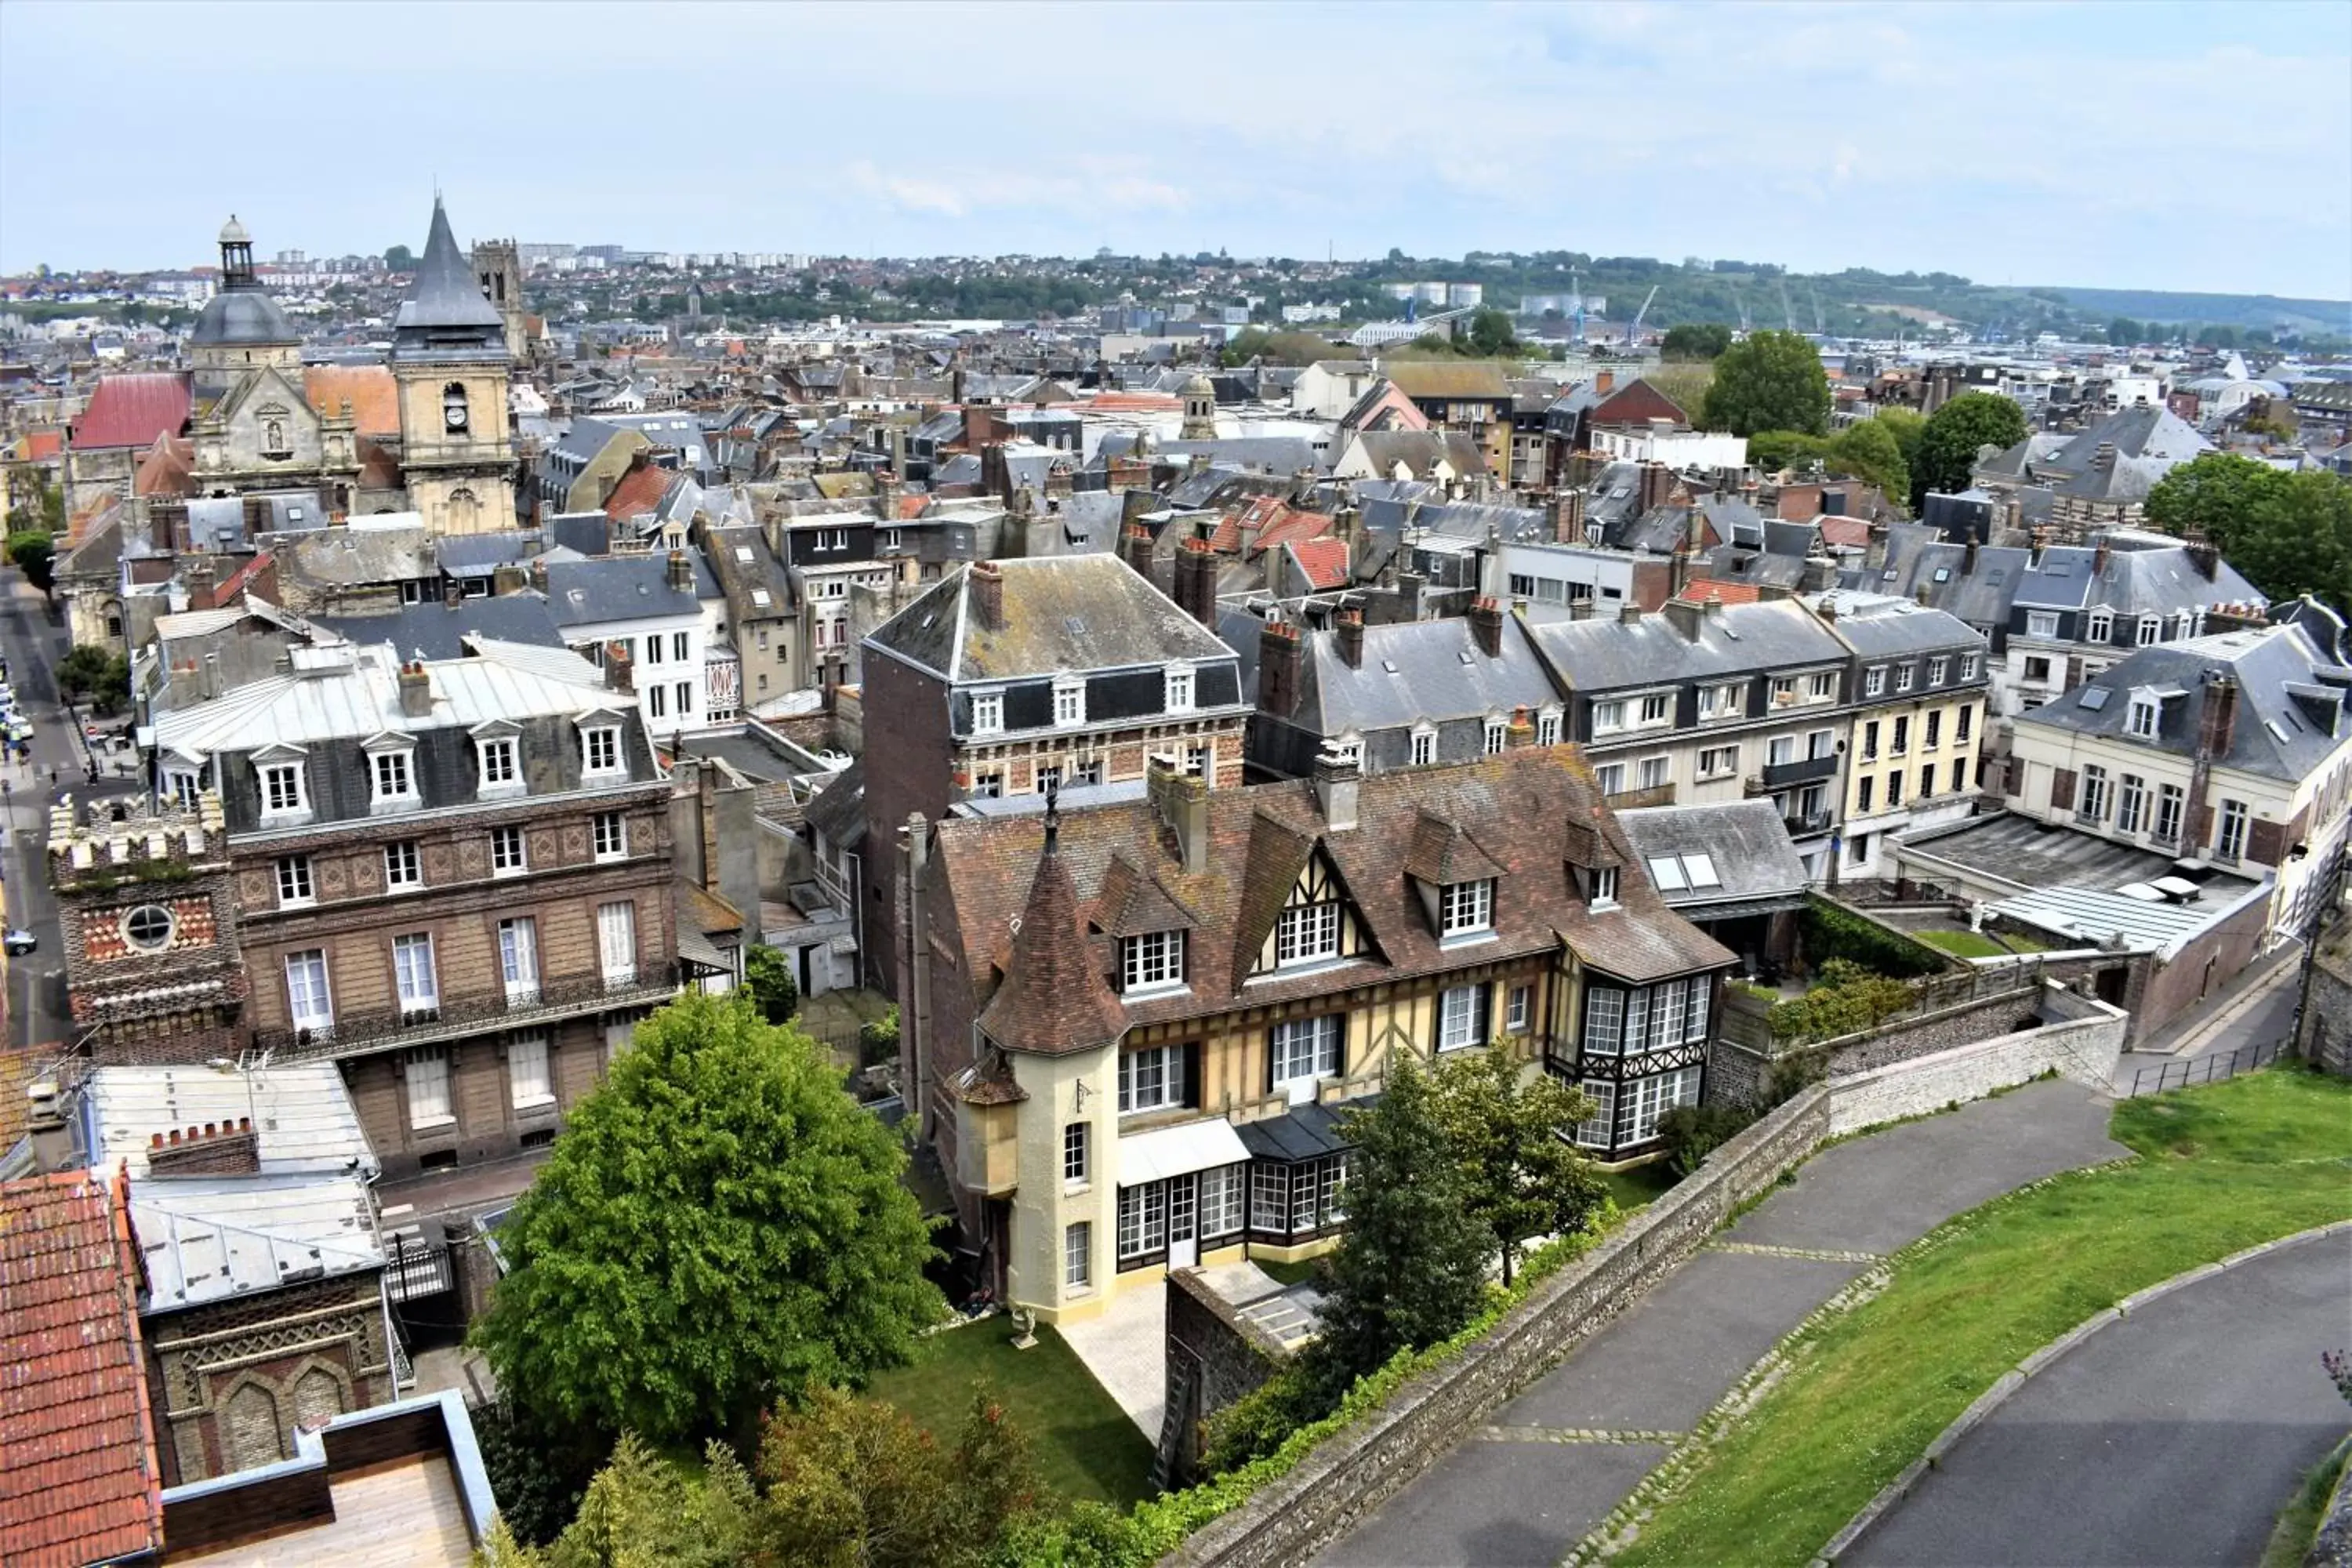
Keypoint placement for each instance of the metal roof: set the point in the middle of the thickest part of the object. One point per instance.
(205, 1239)
(303, 1118)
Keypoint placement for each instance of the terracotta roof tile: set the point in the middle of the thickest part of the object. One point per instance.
(1850, 530)
(1324, 560)
(168, 468)
(132, 409)
(1698, 592)
(373, 395)
(639, 492)
(78, 1477)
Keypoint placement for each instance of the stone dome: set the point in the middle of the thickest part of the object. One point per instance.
(1200, 386)
(243, 316)
(233, 232)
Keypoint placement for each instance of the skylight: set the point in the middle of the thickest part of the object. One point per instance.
(2094, 698)
(1701, 871)
(1667, 872)
(762, 596)
(743, 553)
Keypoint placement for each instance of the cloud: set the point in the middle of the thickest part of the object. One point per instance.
(1091, 184)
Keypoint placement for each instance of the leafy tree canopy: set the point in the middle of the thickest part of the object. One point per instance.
(1277, 348)
(718, 1224)
(1509, 1130)
(2290, 534)
(1869, 450)
(34, 552)
(1952, 437)
(2123, 332)
(1490, 333)
(768, 975)
(1411, 1267)
(1769, 381)
(101, 677)
(1695, 340)
(400, 258)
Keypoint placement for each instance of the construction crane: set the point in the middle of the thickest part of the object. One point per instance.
(1819, 325)
(1635, 325)
(1788, 311)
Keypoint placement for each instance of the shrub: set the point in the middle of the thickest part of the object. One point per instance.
(1831, 933)
(1694, 1132)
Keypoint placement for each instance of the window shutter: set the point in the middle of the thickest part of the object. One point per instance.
(1339, 1045)
(1486, 1013)
(1192, 1076)
(1270, 1035)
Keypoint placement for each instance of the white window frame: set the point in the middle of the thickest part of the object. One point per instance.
(1937, 668)
(1467, 909)
(499, 761)
(402, 854)
(2232, 828)
(2144, 720)
(2131, 803)
(603, 738)
(1969, 665)
(273, 777)
(1305, 1051)
(1177, 688)
(2092, 801)
(425, 1080)
(1458, 1007)
(311, 1001)
(2171, 803)
(1874, 680)
(1609, 716)
(518, 959)
(181, 787)
(400, 765)
(1727, 700)
(1151, 1078)
(1547, 728)
(1604, 887)
(1152, 961)
(1496, 735)
(1594, 1132)
(1078, 1254)
(1711, 764)
(2150, 631)
(1069, 703)
(608, 834)
(1077, 1156)
(296, 886)
(1821, 686)
(2041, 623)
(1223, 1198)
(502, 863)
(1518, 1009)
(1142, 1220)
(1903, 676)
(2101, 627)
(616, 942)
(417, 979)
(1424, 747)
(530, 1077)
(988, 712)
(1657, 707)
(1307, 933)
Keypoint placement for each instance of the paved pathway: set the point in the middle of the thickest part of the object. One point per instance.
(1126, 1349)
(2172, 1437)
(1555, 1460)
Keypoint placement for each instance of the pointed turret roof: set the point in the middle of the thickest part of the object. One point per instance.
(446, 310)
(1055, 999)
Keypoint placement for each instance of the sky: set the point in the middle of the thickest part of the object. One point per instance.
(2192, 147)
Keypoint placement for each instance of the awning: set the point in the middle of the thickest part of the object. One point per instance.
(1179, 1152)
(696, 949)
(1309, 1133)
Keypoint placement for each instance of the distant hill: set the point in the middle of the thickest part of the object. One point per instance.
(2240, 310)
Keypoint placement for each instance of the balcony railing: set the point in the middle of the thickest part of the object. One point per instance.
(1801, 823)
(355, 1034)
(1804, 770)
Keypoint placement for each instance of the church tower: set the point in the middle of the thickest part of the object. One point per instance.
(240, 329)
(1200, 411)
(449, 356)
(497, 263)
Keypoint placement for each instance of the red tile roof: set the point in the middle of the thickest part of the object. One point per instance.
(374, 395)
(1698, 592)
(1853, 531)
(40, 446)
(131, 410)
(1294, 528)
(639, 492)
(1326, 561)
(78, 1476)
(167, 469)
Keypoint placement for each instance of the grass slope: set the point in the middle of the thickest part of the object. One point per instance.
(1086, 1448)
(2221, 1169)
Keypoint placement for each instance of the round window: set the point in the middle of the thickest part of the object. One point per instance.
(149, 926)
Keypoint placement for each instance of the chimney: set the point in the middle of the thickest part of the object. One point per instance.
(1521, 730)
(1337, 780)
(200, 583)
(1487, 626)
(1277, 669)
(1408, 587)
(2207, 560)
(48, 1123)
(217, 1149)
(1713, 604)
(1605, 382)
(1135, 548)
(539, 574)
(452, 592)
(618, 675)
(2218, 725)
(2104, 458)
(681, 572)
(1196, 580)
(986, 590)
(1629, 614)
(1568, 516)
(1180, 801)
(1684, 618)
(1828, 608)
(416, 690)
(1969, 557)
(2041, 543)
(1351, 638)
(1580, 609)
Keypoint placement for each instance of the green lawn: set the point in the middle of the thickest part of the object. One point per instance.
(1289, 1273)
(1640, 1183)
(1086, 1448)
(2221, 1169)
(1975, 944)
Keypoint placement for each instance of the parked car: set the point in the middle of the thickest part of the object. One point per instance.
(18, 941)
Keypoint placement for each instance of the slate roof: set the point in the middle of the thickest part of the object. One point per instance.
(1420, 451)
(1416, 672)
(444, 306)
(2291, 698)
(79, 1482)
(1060, 613)
(438, 631)
(619, 588)
(1744, 842)
(1525, 810)
(132, 409)
(2144, 431)
(1601, 654)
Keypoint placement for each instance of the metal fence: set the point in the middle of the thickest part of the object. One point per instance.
(2214, 1068)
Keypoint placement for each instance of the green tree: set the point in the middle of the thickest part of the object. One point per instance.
(1245, 345)
(2289, 535)
(1908, 426)
(644, 1512)
(1769, 381)
(539, 1472)
(1773, 450)
(854, 1483)
(718, 1223)
(1683, 383)
(768, 975)
(1509, 1128)
(1695, 340)
(34, 552)
(2122, 332)
(1490, 333)
(400, 258)
(1953, 436)
(1411, 1267)
(1869, 450)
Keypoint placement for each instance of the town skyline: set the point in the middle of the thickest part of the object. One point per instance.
(1910, 139)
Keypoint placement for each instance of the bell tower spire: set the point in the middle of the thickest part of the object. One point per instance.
(236, 256)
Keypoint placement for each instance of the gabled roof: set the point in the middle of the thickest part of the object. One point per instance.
(167, 469)
(370, 389)
(78, 1466)
(131, 410)
(1061, 614)
(446, 312)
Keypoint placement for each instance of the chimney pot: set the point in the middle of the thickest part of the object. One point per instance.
(154, 1140)
(1351, 638)
(987, 593)
(1487, 626)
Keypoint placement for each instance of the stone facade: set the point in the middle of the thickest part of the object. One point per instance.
(2323, 1025)
(230, 1381)
(1214, 1356)
(2078, 1036)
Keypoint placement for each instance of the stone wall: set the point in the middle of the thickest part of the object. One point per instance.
(2077, 1035)
(2323, 1027)
(1352, 1473)
(1214, 1356)
(1739, 1073)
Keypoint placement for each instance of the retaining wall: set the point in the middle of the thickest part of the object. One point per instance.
(2079, 1035)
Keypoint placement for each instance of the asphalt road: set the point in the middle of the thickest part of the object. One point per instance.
(2173, 1436)
(32, 637)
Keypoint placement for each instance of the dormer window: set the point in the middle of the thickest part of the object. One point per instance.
(2151, 628)
(1424, 747)
(1153, 961)
(2101, 627)
(2147, 716)
(1874, 680)
(1307, 933)
(987, 712)
(1608, 716)
(180, 786)
(1547, 728)
(1466, 908)
(394, 775)
(502, 762)
(1496, 735)
(1179, 685)
(1655, 707)
(600, 748)
(283, 792)
(1069, 702)
(1604, 888)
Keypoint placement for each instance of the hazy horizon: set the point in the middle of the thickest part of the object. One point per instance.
(2155, 147)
